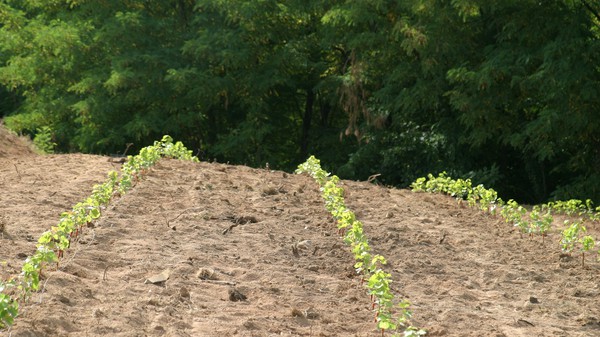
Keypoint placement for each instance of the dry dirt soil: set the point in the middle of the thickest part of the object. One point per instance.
(219, 232)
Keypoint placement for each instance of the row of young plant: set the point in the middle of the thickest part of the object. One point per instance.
(389, 315)
(53, 243)
(536, 221)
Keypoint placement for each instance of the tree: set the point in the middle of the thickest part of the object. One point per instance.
(533, 90)
(95, 86)
(505, 92)
(511, 86)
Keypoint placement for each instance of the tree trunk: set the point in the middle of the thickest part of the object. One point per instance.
(212, 127)
(306, 122)
(325, 109)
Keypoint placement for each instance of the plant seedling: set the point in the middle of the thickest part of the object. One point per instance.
(541, 223)
(587, 243)
(570, 236)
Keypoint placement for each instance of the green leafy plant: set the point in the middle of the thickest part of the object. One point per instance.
(513, 213)
(540, 223)
(486, 199)
(460, 189)
(595, 216)
(9, 308)
(312, 167)
(489, 201)
(576, 207)
(587, 243)
(43, 140)
(570, 235)
(419, 185)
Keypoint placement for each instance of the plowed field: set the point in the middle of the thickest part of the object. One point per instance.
(215, 231)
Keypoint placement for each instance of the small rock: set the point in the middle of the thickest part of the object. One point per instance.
(303, 245)
(184, 293)
(269, 191)
(300, 246)
(313, 268)
(308, 281)
(250, 325)
(235, 295)
(159, 330)
(63, 299)
(563, 257)
(533, 300)
(158, 278)
(206, 274)
(98, 313)
(311, 313)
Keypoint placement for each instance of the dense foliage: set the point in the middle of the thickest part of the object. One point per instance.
(505, 92)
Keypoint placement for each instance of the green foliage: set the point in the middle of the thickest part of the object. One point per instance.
(9, 308)
(513, 213)
(541, 223)
(520, 93)
(587, 243)
(503, 92)
(399, 156)
(312, 166)
(576, 207)
(499, 81)
(571, 237)
(43, 140)
(95, 86)
(26, 123)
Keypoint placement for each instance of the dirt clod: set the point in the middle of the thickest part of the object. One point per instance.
(184, 293)
(206, 274)
(235, 295)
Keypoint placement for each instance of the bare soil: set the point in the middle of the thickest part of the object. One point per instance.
(12, 145)
(221, 238)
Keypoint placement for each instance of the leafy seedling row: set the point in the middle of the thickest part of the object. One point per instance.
(538, 220)
(389, 315)
(53, 243)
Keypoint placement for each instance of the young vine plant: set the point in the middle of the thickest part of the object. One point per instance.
(53, 243)
(540, 217)
(390, 315)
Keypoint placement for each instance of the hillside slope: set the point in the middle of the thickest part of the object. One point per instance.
(213, 228)
(12, 146)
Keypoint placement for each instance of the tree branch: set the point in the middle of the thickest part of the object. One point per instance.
(591, 9)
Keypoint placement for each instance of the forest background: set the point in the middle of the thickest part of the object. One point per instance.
(506, 92)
